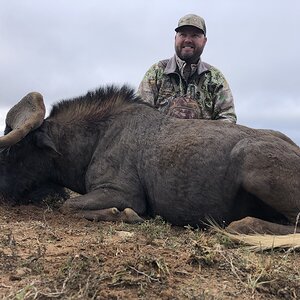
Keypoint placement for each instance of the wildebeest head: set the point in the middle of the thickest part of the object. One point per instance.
(29, 148)
(18, 141)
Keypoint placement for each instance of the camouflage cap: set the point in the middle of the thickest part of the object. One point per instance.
(192, 20)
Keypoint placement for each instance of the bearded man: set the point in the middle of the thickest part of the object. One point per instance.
(184, 86)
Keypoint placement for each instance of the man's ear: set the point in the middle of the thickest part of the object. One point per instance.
(44, 141)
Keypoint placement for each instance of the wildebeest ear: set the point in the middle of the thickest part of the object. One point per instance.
(43, 140)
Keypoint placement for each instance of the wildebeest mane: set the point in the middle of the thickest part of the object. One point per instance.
(96, 105)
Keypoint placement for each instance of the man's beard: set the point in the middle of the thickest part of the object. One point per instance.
(189, 57)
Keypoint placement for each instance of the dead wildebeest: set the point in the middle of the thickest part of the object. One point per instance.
(129, 160)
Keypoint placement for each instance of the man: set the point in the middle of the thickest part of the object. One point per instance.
(184, 86)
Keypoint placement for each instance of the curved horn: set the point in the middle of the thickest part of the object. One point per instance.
(24, 117)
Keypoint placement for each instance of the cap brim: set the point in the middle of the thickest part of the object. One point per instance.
(177, 28)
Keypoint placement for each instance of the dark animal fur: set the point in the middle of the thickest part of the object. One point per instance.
(120, 152)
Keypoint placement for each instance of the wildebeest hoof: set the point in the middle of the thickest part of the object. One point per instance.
(130, 216)
(114, 211)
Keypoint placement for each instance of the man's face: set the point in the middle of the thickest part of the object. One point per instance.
(189, 43)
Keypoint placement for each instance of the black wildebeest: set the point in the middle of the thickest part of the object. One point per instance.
(129, 160)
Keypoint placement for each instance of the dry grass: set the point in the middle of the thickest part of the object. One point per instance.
(44, 255)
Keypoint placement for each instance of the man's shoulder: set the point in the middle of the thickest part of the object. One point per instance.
(209, 67)
(163, 63)
(160, 64)
(157, 69)
(214, 72)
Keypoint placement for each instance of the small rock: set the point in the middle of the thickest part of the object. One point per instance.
(124, 234)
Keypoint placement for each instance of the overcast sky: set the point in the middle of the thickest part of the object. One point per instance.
(65, 48)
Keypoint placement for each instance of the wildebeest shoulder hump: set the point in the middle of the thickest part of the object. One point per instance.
(96, 105)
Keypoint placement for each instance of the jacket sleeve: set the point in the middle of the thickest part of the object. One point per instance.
(223, 101)
(149, 86)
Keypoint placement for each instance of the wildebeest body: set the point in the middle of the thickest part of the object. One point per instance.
(131, 155)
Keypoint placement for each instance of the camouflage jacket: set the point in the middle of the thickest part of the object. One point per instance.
(163, 83)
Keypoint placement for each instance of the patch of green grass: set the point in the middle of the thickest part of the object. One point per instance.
(155, 228)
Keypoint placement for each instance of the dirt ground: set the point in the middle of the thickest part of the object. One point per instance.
(47, 255)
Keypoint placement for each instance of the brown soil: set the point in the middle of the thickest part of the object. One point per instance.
(47, 255)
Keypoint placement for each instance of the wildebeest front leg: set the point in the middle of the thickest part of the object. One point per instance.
(128, 215)
(101, 205)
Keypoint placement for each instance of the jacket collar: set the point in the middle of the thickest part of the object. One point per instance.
(173, 68)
